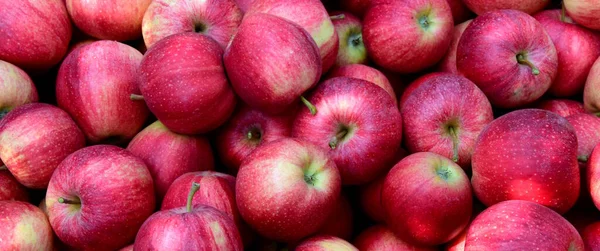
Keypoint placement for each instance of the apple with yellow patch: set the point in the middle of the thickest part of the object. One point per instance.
(17, 88)
(584, 12)
(24, 227)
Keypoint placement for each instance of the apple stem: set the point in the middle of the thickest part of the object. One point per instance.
(136, 97)
(337, 17)
(193, 190)
(311, 107)
(3, 113)
(67, 201)
(562, 12)
(522, 60)
(3, 167)
(338, 137)
(253, 134)
(454, 136)
(356, 40)
(582, 158)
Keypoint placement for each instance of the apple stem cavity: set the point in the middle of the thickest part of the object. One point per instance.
(337, 138)
(67, 201)
(311, 107)
(253, 134)
(443, 172)
(338, 17)
(582, 158)
(522, 59)
(136, 97)
(3, 167)
(193, 190)
(454, 136)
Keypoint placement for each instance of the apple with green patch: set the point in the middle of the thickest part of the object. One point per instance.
(17, 88)
(24, 227)
(349, 30)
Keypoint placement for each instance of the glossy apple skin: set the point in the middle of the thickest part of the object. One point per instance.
(458, 243)
(169, 155)
(584, 12)
(24, 227)
(591, 97)
(233, 144)
(482, 6)
(427, 199)
(10, 188)
(370, 117)
(364, 72)
(311, 16)
(370, 199)
(271, 192)
(577, 49)
(274, 81)
(351, 45)
(35, 33)
(110, 20)
(116, 193)
(593, 176)
(17, 88)
(218, 19)
(591, 237)
(562, 107)
(34, 139)
(381, 238)
(340, 222)
(487, 55)
(93, 85)
(448, 63)
(443, 101)
(587, 129)
(325, 243)
(521, 225)
(511, 151)
(395, 41)
(204, 228)
(189, 95)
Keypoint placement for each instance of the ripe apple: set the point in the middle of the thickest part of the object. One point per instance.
(458, 243)
(244, 5)
(521, 225)
(24, 227)
(444, 115)
(325, 243)
(584, 12)
(288, 64)
(340, 222)
(591, 97)
(509, 55)
(528, 6)
(110, 20)
(351, 46)
(311, 15)
(248, 129)
(191, 227)
(189, 95)
(370, 199)
(273, 185)
(364, 72)
(217, 19)
(408, 36)
(460, 11)
(528, 154)
(99, 197)
(17, 88)
(587, 129)
(10, 188)
(562, 107)
(591, 236)
(93, 85)
(448, 63)
(127, 248)
(169, 155)
(593, 176)
(357, 122)
(34, 139)
(577, 49)
(381, 238)
(35, 33)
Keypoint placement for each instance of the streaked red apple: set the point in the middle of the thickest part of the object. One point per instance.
(562, 107)
(528, 6)
(364, 72)
(587, 129)
(448, 63)
(591, 97)
(340, 222)
(24, 227)
(10, 188)
(351, 46)
(17, 88)
(584, 12)
(381, 238)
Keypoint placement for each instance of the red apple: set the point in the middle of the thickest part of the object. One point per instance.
(413, 86)
(509, 55)
(408, 36)
(217, 19)
(111, 20)
(528, 6)
(10, 188)
(587, 129)
(591, 237)
(521, 225)
(351, 46)
(444, 115)
(197, 227)
(24, 227)
(591, 96)
(460, 11)
(93, 85)
(528, 154)
(584, 12)
(246, 130)
(357, 122)
(127, 248)
(364, 72)
(17, 88)
(448, 63)
(35, 33)
(356, 7)
(340, 222)
(325, 243)
(99, 197)
(577, 48)
(370, 199)
(593, 176)
(286, 189)
(189, 95)
(458, 243)
(381, 238)
(271, 62)
(34, 139)
(169, 155)
(308, 14)
(562, 107)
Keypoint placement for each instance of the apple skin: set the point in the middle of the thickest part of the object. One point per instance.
(593, 176)
(93, 85)
(587, 129)
(35, 33)
(356, 7)
(351, 46)
(444, 115)
(325, 243)
(17, 88)
(460, 11)
(24, 227)
(189, 95)
(248, 129)
(448, 63)
(244, 5)
(364, 72)
(112, 192)
(217, 19)
(487, 55)
(562, 107)
(381, 238)
(340, 222)
(528, 6)
(591, 237)
(34, 139)
(577, 49)
(362, 122)
(584, 12)
(10, 188)
(510, 152)
(458, 243)
(591, 97)
(370, 199)
(169, 155)
(274, 81)
(273, 185)
(127, 248)
(312, 16)
(521, 225)
(395, 41)
(109, 20)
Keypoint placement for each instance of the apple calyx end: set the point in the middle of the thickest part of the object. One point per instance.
(311, 107)
(193, 190)
(337, 17)
(310, 179)
(443, 172)
(136, 97)
(67, 201)
(522, 59)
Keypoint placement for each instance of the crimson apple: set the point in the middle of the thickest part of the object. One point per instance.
(381, 238)
(448, 63)
(591, 96)
(593, 176)
(217, 19)
(458, 243)
(17, 88)
(591, 237)
(340, 222)
(24, 227)
(10, 188)
(325, 243)
(587, 129)
(584, 12)
(364, 72)
(370, 199)
(562, 107)
(528, 6)
(99, 197)
(351, 46)
(189, 94)
(509, 55)
(460, 11)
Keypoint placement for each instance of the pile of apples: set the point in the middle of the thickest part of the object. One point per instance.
(299, 125)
